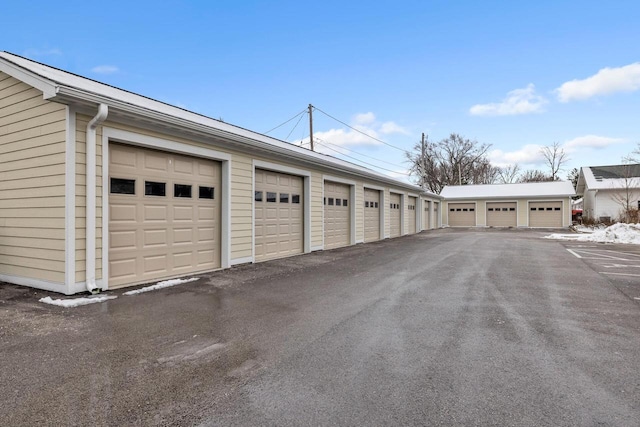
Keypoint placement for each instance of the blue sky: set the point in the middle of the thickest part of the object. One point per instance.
(516, 75)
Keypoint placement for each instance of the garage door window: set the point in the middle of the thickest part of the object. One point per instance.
(295, 198)
(330, 201)
(344, 202)
(258, 196)
(123, 186)
(152, 188)
(182, 190)
(271, 197)
(338, 202)
(284, 198)
(208, 193)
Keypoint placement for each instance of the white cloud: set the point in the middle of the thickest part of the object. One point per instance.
(528, 154)
(31, 53)
(518, 101)
(604, 82)
(364, 118)
(590, 141)
(391, 127)
(365, 132)
(105, 69)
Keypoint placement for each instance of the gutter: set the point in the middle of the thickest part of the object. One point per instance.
(90, 262)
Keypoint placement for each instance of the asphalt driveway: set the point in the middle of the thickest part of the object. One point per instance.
(442, 328)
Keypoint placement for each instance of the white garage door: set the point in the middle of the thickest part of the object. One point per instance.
(462, 214)
(394, 214)
(426, 218)
(411, 214)
(545, 214)
(337, 215)
(278, 215)
(164, 215)
(371, 215)
(502, 214)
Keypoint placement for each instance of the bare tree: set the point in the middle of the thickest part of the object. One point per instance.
(454, 160)
(534, 175)
(509, 174)
(556, 158)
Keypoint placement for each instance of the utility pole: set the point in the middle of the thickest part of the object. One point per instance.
(311, 126)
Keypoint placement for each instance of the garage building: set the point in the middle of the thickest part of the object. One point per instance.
(101, 188)
(534, 205)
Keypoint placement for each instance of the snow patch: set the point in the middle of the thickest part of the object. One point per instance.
(161, 285)
(617, 233)
(75, 302)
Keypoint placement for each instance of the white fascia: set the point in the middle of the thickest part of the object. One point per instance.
(141, 140)
(48, 88)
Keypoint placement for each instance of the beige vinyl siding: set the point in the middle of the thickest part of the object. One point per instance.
(32, 183)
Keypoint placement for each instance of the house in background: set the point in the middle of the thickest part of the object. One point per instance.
(533, 204)
(608, 191)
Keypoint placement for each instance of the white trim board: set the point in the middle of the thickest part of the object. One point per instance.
(70, 201)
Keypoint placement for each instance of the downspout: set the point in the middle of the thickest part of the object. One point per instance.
(90, 266)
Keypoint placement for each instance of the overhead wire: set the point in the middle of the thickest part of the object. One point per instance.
(321, 142)
(294, 128)
(361, 132)
(284, 123)
(361, 154)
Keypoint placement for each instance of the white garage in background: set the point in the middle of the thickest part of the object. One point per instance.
(532, 204)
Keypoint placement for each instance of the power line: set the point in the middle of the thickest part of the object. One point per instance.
(282, 124)
(361, 154)
(359, 131)
(361, 161)
(294, 128)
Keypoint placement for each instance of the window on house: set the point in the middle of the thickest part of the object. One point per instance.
(123, 186)
(152, 188)
(182, 190)
(209, 192)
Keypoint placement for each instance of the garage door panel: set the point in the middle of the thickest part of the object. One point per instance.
(371, 215)
(123, 240)
(154, 213)
(166, 227)
(154, 238)
(395, 215)
(502, 214)
(122, 213)
(462, 214)
(277, 217)
(545, 214)
(337, 215)
(412, 204)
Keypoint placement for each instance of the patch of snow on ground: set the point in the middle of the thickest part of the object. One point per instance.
(75, 302)
(161, 285)
(616, 233)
